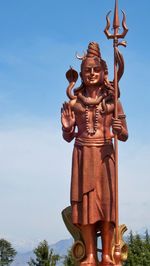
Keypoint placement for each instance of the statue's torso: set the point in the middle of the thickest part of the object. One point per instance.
(103, 124)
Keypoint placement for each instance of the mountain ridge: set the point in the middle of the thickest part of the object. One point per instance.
(61, 247)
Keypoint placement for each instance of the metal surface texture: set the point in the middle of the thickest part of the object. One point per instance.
(95, 119)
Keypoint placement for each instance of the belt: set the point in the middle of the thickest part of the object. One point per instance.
(92, 142)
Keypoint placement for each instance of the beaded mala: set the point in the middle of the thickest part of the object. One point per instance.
(91, 131)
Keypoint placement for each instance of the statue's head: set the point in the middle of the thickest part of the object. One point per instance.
(93, 68)
(94, 71)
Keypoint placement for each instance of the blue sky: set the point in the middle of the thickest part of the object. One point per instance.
(38, 42)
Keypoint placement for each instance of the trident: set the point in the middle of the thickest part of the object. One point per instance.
(116, 36)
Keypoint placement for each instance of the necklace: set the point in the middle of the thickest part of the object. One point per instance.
(91, 131)
(89, 102)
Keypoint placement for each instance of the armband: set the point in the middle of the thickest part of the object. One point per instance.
(68, 131)
(121, 116)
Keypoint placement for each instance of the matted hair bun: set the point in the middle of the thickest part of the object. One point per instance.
(93, 50)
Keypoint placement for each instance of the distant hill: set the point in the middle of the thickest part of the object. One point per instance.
(61, 248)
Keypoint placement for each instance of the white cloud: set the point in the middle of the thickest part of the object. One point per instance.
(34, 181)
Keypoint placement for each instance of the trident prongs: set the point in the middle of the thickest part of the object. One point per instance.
(124, 25)
(116, 35)
(106, 31)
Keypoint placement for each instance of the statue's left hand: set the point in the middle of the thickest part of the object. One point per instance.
(117, 126)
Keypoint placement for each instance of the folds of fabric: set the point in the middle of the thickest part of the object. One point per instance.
(93, 184)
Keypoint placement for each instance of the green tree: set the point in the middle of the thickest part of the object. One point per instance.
(43, 256)
(147, 238)
(69, 259)
(138, 254)
(7, 253)
(139, 250)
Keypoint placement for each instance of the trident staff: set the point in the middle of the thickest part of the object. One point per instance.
(118, 72)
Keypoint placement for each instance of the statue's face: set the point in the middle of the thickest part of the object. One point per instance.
(90, 71)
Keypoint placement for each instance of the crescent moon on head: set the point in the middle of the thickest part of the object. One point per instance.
(82, 57)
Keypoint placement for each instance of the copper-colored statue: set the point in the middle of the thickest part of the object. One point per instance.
(94, 116)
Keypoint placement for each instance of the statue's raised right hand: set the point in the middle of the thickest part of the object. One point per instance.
(67, 117)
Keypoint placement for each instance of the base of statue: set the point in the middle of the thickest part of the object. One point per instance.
(79, 250)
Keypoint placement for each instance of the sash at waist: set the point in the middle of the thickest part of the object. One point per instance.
(92, 142)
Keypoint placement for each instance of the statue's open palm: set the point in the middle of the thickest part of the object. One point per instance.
(67, 117)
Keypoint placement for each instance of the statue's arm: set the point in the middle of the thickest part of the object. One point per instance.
(119, 126)
(68, 135)
(123, 136)
(68, 122)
